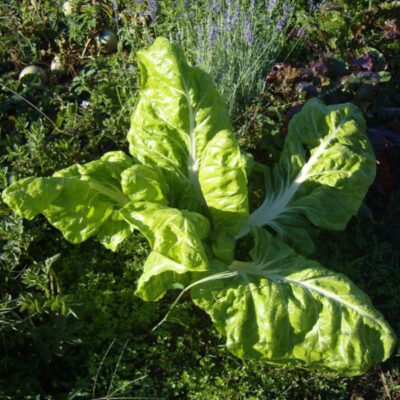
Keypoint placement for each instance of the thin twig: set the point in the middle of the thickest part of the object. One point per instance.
(286, 390)
(222, 275)
(86, 46)
(116, 367)
(385, 385)
(127, 384)
(32, 105)
(101, 364)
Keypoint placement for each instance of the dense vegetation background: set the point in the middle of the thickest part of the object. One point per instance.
(70, 326)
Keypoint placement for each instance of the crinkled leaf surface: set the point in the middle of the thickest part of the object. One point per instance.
(175, 237)
(114, 231)
(324, 172)
(223, 182)
(160, 274)
(223, 247)
(78, 200)
(287, 310)
(143, 183)
(181, 125)
(139, 183)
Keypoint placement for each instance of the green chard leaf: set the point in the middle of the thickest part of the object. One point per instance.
(324, 172)
(81, 201)
(140, 183)
(287, 310)
(143, 183)
(175, 237)
(77, 200)
(181, 125)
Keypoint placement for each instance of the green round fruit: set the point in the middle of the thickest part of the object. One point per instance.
(32, 70)
(107, 41)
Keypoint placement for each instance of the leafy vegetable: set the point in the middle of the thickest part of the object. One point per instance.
(78, 200)
(186, 190)
(181, 125)
(176, 239)
(326, 167)
(286, 309)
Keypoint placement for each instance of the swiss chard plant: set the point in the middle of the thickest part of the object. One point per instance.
(185, 188)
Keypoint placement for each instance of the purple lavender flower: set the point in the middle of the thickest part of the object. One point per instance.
(231, 16)
(200, 32)
(247, 23)
(270, 4)
(212, 34)
(229, 7)
(149, 38)
(286, 13)
(153, 8)
(227, 21)
(248, 35)
(219, 76)
(315, 5)
(236, 14)
(187, 3)
(216, 6)
(287, 9)
(221, 73)
(114, 5)
(280, 24)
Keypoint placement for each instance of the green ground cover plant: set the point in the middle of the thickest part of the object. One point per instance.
(71, 326)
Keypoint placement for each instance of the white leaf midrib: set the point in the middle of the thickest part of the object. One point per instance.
(309, 288)
(193, 159)
(108, 190)
(274, 206)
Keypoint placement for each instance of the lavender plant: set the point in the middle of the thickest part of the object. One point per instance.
(236, 41)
